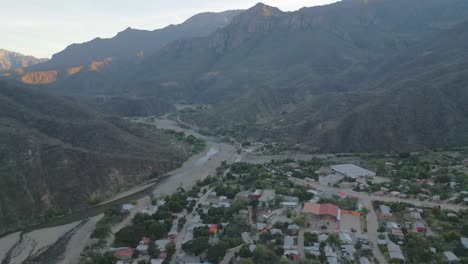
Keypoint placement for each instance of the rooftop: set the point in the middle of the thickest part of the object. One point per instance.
(321, 209)
(353, 171)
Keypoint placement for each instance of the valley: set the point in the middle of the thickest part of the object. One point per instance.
(335, 133)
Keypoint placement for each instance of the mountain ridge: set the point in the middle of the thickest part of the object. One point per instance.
(57, 156)
(10, 60)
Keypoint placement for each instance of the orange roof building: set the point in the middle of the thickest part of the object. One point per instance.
(316, 209)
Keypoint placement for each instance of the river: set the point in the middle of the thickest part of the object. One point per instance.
(195, 168)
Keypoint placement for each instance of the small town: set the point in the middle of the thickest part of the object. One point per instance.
(405, 208)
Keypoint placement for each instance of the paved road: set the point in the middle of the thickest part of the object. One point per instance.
(189, 216)
(230, 254)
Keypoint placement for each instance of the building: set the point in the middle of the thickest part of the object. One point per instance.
(395, 252)
(323, 211)
(464, 241)
(293, 229)
(420, 227)
(143, 245)
(451, 258)
(289, 201)
(126, 208)
(386, 211)
(348, 251)
(352, 171)
(150, 210)
(415, 215)
(288, 243)
(267, 197)
(261, 227)
(345, 238)
(214, 229)
(124, 254)
(256, 194)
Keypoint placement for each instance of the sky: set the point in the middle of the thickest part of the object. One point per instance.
(43, 27)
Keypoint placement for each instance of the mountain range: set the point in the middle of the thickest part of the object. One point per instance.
(10, 60)
(352, 76)
(56, 156)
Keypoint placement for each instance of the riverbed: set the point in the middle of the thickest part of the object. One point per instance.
(195, 168)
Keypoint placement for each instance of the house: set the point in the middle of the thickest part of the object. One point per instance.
(293, 229)
(398, 233)
(345, 238)
(392, 225)
(268, 215)
(214, 229)
(322, 211)
(415, 215)
(288, 243)
(322, 237)
(150, 210)
(451, 258)
(386, 211)
(143, 245)
(464, 241)
(256, 194)
(124, 254)
(126, 208)
(162, 243)
(267, 197)
(289, 201)
(275, 231)
(364, 260)
(395, 252)
(420, 227)
(261, 227)
(348, 251)
(157, 261)
(352, 171)
(332, 257)
(313, 250)
(361, 238)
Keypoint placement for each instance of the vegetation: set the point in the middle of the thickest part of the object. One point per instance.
(79, 156)
(111, 217)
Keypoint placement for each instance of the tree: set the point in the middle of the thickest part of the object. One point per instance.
(245, 252)
(152, 249)
(264, 255)
(196, 246)
(300, 221)
(157, 230)
(216, 253)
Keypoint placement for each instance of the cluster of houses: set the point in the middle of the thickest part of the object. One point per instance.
(128, 254)
(415, 225)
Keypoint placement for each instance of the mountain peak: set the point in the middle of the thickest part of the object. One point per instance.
(264, 10)
(12, 60)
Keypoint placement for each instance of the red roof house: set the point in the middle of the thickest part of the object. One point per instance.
(332, 210)
(124, 254)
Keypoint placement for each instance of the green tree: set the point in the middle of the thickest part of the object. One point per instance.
(264, 255)
(244, 252)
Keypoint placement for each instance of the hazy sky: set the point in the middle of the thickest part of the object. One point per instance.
(44, 27)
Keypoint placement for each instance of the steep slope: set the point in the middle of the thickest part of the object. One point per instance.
(11, 60)
(132, 43)
(56, 156)
(305, 51)
(411, 101)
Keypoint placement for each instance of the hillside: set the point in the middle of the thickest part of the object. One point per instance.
(56, 156)
(11, 60)
(411, 101)
(330, 78)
